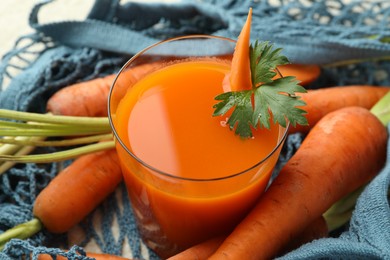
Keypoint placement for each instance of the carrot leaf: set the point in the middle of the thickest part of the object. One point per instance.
(268, 98)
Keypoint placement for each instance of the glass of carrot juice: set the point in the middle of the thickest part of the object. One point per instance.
(189, 177)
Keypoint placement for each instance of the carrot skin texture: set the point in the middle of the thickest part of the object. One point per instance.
(315, 230)
(77, 190)
(331, 162)
(200, 251)
(74, 97)
(89, 98)
(97, 256)
(325, 100)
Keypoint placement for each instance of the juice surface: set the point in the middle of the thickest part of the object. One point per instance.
(166, 120)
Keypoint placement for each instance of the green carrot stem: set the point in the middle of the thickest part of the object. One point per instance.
(22, 231)
(57, 119)
(59, 156)
(66, 142)
(345, 204)
(8, 148)
(47, 126)
(21, 150)
(4, 166)
(382, 109)
(11, 149)
(17, 149)
(47, 132)
(340, 212)
(338, 220)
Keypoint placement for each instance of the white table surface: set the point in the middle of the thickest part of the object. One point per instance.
(14, 17)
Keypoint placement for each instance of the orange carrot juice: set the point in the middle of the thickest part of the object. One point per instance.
(189, 177)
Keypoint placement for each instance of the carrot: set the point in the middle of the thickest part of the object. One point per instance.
(89, 98)
(71, 195)
(199, 251)
(240, 75)
(344, 151)
(97, 256)
(305, 73)
(325, 100)
(316, 230)
(77, 190)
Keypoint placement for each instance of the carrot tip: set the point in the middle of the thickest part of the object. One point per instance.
(240, 78)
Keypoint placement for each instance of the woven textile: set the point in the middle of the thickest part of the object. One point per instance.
(326, 32)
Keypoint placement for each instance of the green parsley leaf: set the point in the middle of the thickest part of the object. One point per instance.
(243, 110)
(263, 62)
(268, 99)
(278, 98)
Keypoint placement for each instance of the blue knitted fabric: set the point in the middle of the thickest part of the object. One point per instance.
(59, 54)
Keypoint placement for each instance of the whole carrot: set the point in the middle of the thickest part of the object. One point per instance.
(77, 190)
(71, 195)
(89, 98)
(325, 100)
(343, 151)
(317, 229)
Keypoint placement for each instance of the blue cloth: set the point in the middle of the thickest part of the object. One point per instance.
(323, 32)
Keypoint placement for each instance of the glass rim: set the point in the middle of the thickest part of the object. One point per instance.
(154, 169)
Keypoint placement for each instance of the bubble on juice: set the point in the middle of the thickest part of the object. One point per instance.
(224, 123)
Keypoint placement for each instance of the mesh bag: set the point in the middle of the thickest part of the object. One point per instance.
(348, 38)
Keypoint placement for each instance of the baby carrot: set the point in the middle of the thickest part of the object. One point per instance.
(89, 98)
(343, 151)
(325, 100)
(240, 75)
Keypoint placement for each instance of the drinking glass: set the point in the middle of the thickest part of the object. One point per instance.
(174, 212)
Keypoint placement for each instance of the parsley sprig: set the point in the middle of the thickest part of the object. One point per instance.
(268, 98)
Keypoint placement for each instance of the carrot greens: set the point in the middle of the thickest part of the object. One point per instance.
(269, 97)
(22, 231)
(21, 132)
